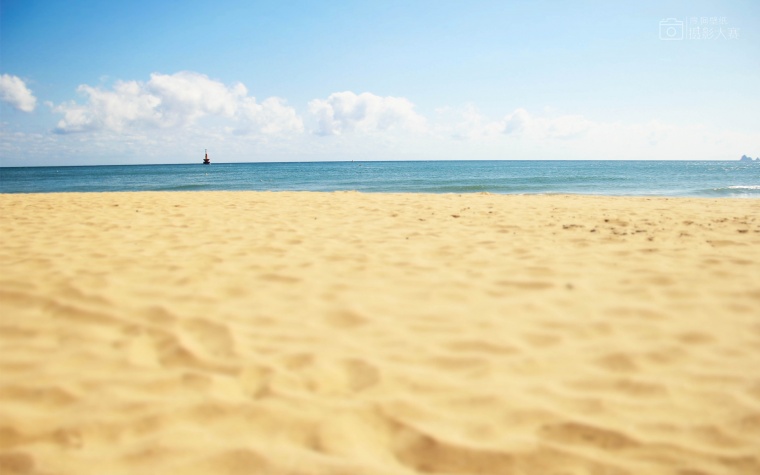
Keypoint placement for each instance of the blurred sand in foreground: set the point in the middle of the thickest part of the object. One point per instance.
(378, 334)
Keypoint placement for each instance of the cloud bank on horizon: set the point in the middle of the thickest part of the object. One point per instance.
(188, 109)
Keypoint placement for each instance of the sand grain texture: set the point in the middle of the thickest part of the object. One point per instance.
(348, 333)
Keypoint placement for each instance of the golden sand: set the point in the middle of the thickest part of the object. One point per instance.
(378, 334)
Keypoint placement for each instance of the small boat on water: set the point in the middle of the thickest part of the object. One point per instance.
(206, 161)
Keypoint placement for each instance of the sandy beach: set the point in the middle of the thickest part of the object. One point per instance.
(378, 334)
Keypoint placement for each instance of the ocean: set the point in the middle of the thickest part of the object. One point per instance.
(617, 178)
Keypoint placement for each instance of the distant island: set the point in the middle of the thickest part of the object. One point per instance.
(748, 159)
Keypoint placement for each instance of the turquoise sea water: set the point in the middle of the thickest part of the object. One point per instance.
(637, 178)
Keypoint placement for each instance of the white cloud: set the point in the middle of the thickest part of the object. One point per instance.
(127, 104)
(13, 91)
(176, 100)
(541, 128)
(526, 135)
(346, 111)
(516, 122)
(271, 117)
(467, 124)
(577, 137)
(185, 97)
(172, 117)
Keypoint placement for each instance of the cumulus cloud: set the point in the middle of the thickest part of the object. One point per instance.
(13, 91)
(366, 112)
(185, 97)
(270, 117)
(175, 100)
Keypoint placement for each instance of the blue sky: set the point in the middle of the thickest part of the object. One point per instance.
(87, 82)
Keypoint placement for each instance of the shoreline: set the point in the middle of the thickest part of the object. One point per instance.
(399, 193)
(380, 333)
